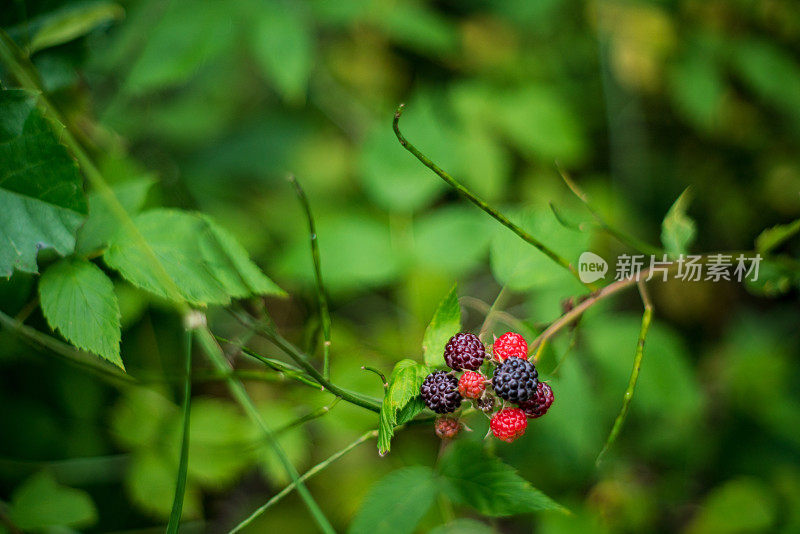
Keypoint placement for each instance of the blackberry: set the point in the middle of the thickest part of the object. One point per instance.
(485, 403)
(515, 380)
(440, 392)
(538, 405)
(464, 351)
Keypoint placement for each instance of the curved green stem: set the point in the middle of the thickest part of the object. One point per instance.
(469, 195)
(322, 300)
(637, 364)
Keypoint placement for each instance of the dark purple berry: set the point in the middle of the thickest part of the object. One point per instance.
(538, 405)
(440, 392)
(464, 351)
(515, 380)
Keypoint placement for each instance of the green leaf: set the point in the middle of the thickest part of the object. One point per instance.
(452, 240)
(738, 506)
(73, 22)
(772, 238)
(41, 197)
(150, 483)
(204, 261)
(463, 526)
(283, 43)
(493, 488)
(678, 230)
(445, 324)
(78, 300)
(521, 267)
(102, 224)
(775, 278)
(41, 503)
(397, 503)
(404, 384)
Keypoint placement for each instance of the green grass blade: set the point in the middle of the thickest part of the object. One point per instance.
(180, 485)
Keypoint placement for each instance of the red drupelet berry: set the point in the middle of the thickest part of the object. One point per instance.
(510, 345)
(447, 427)
(508, 424)
(472, 385)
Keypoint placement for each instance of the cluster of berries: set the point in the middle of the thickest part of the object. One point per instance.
(515, 380)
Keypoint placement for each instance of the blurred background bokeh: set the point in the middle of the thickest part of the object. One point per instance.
(217, 102)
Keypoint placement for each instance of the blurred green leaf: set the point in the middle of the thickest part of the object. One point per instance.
(698, 87)
(150, 482)
(404, 384)
(757, 61)
(42, 203)
(678, 229)
(775, 278)
(737, 507)
(446, 323)
(416, 26)
(102, 224)
(41, 503)
(72, 22)
(294, 441)
(463, 526)
(452, 240)
(493, 488)
(138, 419)
(206, 263)
(78, 300)
(397, 503)
(518, 265)
(282, 41)
(773, 237)
(188, 35)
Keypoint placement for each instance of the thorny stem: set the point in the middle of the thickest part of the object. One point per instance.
(469, 195)
(322, 300)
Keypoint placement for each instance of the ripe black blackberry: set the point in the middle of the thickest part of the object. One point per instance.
(538, 405)
(464, 351)
(515, 380)
(440, 392)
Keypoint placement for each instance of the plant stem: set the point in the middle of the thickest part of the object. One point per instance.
(207, 341)
(281, 367)
(25, 73)
(305, 476)
(637, 364)
(469, 195)
(322, 300)
(371, 369)
(180, 485)
(301, 359)
(90, 362)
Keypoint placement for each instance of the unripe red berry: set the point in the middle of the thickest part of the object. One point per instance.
(447, 427)
(510, 345)
(472, 385)
(508, 424)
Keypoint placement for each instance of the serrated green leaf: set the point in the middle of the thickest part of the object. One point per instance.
(78, 300)
(772, 238)
(206, 263)
(42, 503)
(678, 229)
(404, 384)
(73, 22)
(101, 225)
(283, 43)
(445, 324)
(397, 503)
(408, 412)
(493, 488)
(42, 203)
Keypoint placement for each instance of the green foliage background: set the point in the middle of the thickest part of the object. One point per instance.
(207, 105)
